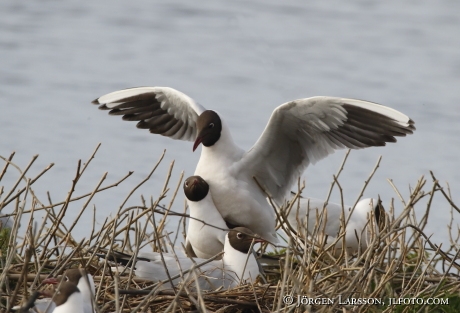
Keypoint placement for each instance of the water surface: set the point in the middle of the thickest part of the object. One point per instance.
(242, 59)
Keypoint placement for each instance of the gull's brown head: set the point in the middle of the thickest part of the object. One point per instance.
(209, 126)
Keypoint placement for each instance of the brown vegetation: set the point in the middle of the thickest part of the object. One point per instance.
(400, 262)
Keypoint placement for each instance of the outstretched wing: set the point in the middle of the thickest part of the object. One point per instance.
(162, 110)
(305, 131)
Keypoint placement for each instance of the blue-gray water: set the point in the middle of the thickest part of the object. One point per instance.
(242, 59)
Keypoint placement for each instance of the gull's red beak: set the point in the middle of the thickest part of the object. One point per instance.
(197, 143)
(256, 240)
(51, 280)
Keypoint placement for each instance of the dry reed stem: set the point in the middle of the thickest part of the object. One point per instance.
(400, 260)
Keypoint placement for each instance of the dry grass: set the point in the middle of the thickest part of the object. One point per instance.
(400, 262)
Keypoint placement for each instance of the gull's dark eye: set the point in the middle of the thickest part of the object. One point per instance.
(186, 183)
(211, 125)
(239, 236)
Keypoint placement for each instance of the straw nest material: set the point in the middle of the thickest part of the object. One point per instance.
(401, 270)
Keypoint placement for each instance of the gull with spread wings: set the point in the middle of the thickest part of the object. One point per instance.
(298, 133)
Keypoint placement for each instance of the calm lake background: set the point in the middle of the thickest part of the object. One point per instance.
(241, 58)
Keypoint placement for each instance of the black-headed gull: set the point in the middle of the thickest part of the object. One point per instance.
(68, 299)
(85, 283)
(357, 230)
(206, 228)
(298, 133)
(237, 264)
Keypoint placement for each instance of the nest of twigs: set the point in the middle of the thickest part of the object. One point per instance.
(400, 261)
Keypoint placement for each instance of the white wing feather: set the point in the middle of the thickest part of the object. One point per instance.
(162, 110)
(305, 131)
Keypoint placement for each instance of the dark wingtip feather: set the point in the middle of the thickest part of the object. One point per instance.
(411, 125)
(131, 117)
(95, 101)
(143, 125)
(103, 107)
(117, 257)
(390, 138)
